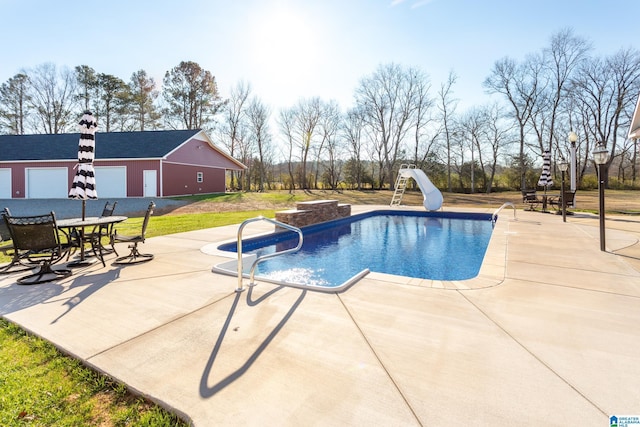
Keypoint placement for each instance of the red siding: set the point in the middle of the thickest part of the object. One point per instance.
(135, 168)
(197, 152)
(19, 174)
(180, 180)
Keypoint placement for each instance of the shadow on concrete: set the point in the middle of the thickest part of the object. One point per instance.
(207, 390)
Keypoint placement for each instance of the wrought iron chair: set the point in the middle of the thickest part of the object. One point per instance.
(38, 239)
(7, 248)
(529, 197)
(103, 231)
(556, 201)
(134, 256)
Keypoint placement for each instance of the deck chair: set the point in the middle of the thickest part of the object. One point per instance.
(530, 198)
(7, 248)
(134, 256)
(556, 201)
(103, 231)
(38, 239)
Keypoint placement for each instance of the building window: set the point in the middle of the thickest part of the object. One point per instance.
(199, 177)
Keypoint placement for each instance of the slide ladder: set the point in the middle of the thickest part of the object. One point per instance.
(401, 185)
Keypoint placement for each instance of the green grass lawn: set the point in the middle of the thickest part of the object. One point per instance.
(40, 386)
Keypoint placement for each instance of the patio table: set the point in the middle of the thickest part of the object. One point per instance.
(80, 225)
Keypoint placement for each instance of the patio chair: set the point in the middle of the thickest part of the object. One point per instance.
(7, 248)
(103, 231)
(530, 198)
(134, 255)
(37, 239)
(556, 201)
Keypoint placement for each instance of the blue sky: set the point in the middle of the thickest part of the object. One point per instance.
(288, 49)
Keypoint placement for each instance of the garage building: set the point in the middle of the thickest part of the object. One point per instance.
(127, 164)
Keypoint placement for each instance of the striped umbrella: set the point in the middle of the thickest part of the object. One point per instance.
(545, 177)
(84, 181)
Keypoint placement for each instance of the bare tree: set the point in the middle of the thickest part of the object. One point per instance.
(234, 119)
(473, 127)
(13, 104)
(447, 106)
(423, 143)
(608, 90)
(389, 101)
(307, 114)
(330, 124)
(564, 56)
(286, 121)
(52, 98)
(519, 83)
(258, 118)
(499, 135)
(352, 128)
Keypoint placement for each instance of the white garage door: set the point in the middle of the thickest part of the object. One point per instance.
(5, 183)
(111, 181)
(47, 183)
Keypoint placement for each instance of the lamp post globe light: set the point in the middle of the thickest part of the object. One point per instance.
(600, 157)
(563, 168)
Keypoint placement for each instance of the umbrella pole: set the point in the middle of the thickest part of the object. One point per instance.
(84, 207)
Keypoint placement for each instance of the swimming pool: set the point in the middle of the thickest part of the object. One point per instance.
(428, 245)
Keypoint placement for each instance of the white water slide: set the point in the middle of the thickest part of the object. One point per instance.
(432, 196)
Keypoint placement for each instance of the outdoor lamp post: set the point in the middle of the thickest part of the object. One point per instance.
(573, 138)
(563, 168)
(600, 157)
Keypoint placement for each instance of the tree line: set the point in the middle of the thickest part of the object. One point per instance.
(397, 117)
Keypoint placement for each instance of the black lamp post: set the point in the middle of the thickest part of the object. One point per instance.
(573, 138)
(563, 168)
(600, 157)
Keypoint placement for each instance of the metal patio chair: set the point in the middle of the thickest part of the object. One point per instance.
(7, 248)
(556, 201)
(134, 256)
(37, 238)
(103, 231)
(529, 197)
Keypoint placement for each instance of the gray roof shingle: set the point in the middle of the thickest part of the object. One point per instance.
(112, 145)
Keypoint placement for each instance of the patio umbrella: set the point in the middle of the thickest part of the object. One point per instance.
(545, 177)
(84, 181)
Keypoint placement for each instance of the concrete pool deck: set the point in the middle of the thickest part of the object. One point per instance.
(548, 334)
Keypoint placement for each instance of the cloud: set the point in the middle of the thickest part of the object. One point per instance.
(396, 2)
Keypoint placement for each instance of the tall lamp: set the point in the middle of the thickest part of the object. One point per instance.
(563, 168)
(600, 157)
(573, 138)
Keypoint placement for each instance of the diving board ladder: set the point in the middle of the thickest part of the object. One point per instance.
(401, 185)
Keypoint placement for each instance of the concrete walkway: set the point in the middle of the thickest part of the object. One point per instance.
(548, 334)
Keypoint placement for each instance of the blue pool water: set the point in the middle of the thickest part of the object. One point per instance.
(429, 245)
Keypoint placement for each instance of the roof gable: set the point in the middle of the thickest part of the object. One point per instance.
(112, 145)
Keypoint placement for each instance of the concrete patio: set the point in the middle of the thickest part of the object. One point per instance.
(547, 334)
